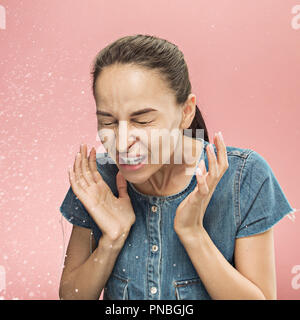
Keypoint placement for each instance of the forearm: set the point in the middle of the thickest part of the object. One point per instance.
(221, 280)
(88, 280)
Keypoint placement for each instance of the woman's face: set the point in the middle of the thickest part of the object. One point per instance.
(137, 115)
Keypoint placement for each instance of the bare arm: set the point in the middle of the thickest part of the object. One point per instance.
(85, 275)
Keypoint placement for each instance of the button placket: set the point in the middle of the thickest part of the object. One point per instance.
(153, 267)
(154, 208)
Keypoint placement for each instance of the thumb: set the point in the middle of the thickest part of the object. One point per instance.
(121, 185)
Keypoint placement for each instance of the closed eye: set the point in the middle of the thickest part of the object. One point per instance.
(139, 122)
(145, 122)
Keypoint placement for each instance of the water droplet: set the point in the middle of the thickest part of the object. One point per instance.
(136, 257)
(174, 265)
(76, 290)
(123, 270)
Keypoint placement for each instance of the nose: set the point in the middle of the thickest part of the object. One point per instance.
(124, 140)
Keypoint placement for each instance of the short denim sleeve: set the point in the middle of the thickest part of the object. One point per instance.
(262, 200)
(74, 211)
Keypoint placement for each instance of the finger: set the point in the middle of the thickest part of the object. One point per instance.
(202, 185)
(222, 152)
(75, 186)
(78, 174)
(93, 166)
(121, 185)
(202, 166)
(84, 165)
(212, 161)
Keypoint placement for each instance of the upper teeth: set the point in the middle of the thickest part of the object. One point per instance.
(132, 160)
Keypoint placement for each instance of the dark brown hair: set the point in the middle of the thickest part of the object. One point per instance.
(152, 53)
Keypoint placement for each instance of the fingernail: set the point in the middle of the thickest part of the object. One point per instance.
(199, 171)
(220, 135)
(211, 147)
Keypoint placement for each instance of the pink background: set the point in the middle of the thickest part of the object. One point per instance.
(244, 65)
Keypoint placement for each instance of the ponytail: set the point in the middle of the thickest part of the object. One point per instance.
(198, 123)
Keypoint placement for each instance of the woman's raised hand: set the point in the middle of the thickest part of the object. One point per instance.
(190, 213)
(114, 216)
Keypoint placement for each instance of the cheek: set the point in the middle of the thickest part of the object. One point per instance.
(107, 138)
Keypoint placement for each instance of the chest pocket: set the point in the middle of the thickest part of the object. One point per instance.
(190, 289)
(116, 288)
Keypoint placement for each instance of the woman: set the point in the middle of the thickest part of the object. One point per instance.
(158, 232)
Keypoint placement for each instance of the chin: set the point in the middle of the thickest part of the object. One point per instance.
(135, 177)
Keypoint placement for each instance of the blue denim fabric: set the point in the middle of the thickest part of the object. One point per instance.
(153, 264)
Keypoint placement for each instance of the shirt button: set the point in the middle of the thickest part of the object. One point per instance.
(153, 290)
(154, 248)
(154, 208)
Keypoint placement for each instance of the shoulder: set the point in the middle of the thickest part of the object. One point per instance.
(255, 169)
(247, 171)
(248, 164)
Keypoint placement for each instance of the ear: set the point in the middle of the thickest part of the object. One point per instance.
(188, 111)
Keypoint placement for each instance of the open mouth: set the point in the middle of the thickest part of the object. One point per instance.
(131, 160)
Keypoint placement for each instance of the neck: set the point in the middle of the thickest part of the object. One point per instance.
(171, 178)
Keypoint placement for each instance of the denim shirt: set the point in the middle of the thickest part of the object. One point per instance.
(153, 264)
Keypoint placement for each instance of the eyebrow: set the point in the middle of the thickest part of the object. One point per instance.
(136, 113)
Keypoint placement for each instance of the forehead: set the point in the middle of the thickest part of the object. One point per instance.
(130, 86)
